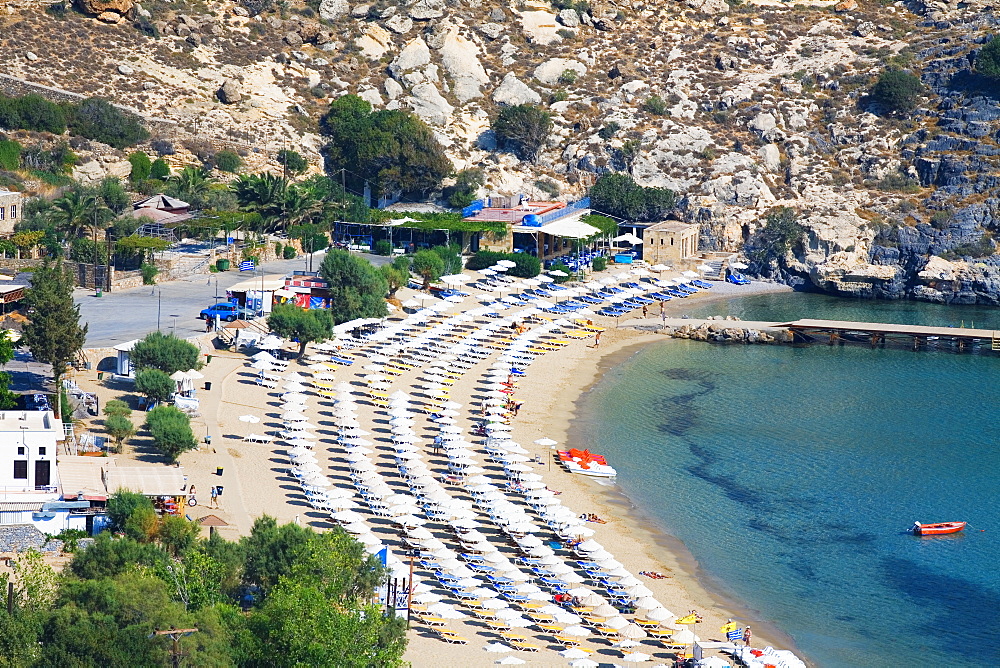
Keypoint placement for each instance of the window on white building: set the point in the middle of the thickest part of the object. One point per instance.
(21, 469)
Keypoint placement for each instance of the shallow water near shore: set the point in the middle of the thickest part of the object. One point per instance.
(791, 475)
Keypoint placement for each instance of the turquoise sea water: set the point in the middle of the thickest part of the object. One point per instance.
(791, 474)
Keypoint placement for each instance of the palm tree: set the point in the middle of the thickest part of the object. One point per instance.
(265, 194)
(76, 213)
(191, 184)
(300, 206)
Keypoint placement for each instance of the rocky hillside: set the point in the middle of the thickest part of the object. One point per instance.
(739, 108)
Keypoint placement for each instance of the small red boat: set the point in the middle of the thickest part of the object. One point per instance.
(937, 529)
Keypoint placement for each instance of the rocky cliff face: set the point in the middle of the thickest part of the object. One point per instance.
(739, 107)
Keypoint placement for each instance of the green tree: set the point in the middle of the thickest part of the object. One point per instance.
(523, 129)
(451, 256)
(159, 170)
(171, 430)
(781, 232)
(357, 289)
(228, 161)
(177, 534)
(467, 185)
(141, 166)
(619, 195)
(396, 275)
(191, 184)
(8, 399)
(306, 325)
(35, 584)
(122, 505)
(897, 90)
(117, 407)
(271, 551)
(428, 265)
(311, 236)
(988, 59)
(292, 161)
(96, 118)
(165, 352)
(53, 333)
(32, 112)
(76, 213)
(655, 105)
(120, 428)
(113, 194)
(154, 384)
(394, 151)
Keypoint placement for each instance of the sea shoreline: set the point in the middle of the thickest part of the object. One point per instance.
(680, 557)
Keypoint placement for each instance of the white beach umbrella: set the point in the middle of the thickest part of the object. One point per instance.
(575, 653)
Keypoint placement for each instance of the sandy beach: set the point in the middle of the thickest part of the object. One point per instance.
(256, 481)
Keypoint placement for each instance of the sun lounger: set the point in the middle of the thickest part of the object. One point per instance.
(452, 638)
(345, 361)
(430, 620)
(264, 382)
(257, 438)
(524, 646)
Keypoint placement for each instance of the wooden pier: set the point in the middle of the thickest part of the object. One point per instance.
(877, 333)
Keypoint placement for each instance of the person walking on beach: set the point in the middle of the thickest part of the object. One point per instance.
(645, 310)
(215, 498)
(747, 636)
(663, 312)
(597, 339)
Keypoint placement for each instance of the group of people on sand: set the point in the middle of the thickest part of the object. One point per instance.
(590, 517)
(574, 601)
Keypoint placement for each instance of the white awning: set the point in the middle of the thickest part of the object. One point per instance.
(569, 228)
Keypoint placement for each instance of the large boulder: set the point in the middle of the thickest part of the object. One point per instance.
(429, 105)
(231, 91)
(551, 70)
(460, 58)
(513, 91)
(415, 54)
(569, 18)
(97, 7)
(424, 10)
(331, 10)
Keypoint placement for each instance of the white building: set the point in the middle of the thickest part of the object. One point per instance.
(28, 444)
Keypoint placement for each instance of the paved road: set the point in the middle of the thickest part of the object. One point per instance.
(125, 315)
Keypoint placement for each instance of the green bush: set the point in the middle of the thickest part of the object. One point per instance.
(655, 105)
(96, 118)
(141, 166)
(159, 169)
(897, 90)
(988, 60)
(560, 266)
(526, 266)
(382, 247)
(149, 272)
(568, 77)
(10, 154)
(171, 430)
(609, 130)
(228, 161)
(548, 186)
(467, 184)
(523, 129)
(600, 263)
(32, 112)
(278, 248)
(941, 219)
(289, 253)
(292, 161)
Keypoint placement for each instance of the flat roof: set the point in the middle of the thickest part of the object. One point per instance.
(79, 474)
(18, 421)
(671, 226)
(272, 282)
(146, 480)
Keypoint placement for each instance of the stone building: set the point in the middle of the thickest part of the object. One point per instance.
(671, 243)
(10, 211)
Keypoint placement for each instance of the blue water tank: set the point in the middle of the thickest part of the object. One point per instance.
(531, 220)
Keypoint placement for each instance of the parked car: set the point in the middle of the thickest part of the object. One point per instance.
(227, 312)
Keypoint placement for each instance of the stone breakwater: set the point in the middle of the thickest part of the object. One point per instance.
(716, 329)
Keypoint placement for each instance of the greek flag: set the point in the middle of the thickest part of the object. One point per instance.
(735, 635)
(246, 265)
